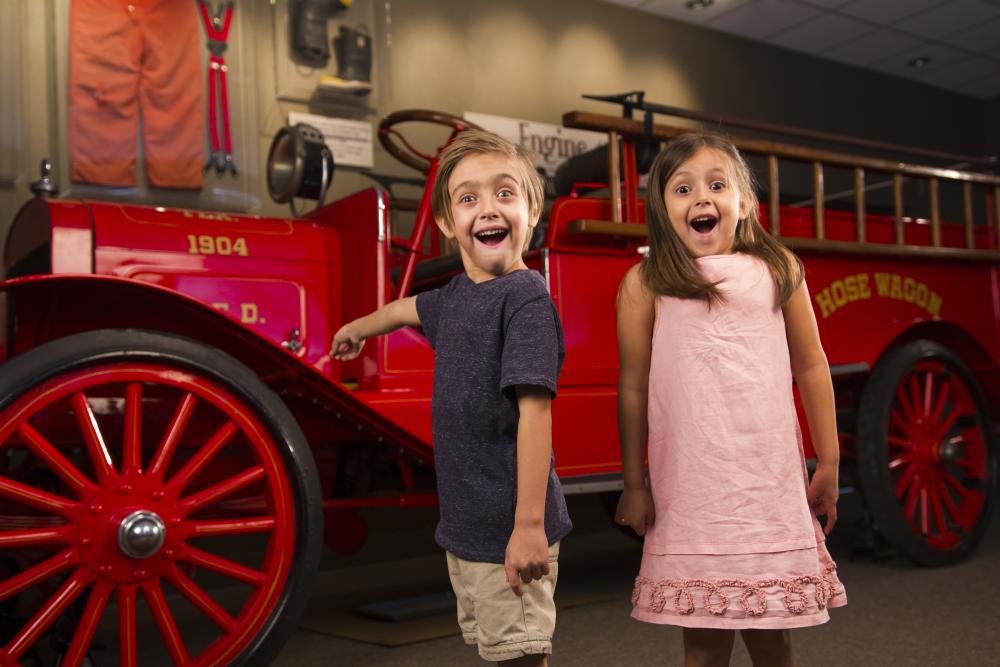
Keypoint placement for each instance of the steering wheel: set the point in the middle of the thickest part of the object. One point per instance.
(409, 155)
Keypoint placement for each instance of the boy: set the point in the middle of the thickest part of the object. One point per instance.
(499, 348)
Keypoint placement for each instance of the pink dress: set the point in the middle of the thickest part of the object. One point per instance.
(734, 544)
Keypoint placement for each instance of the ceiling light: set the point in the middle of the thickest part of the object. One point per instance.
(922, 61)
(699, 4)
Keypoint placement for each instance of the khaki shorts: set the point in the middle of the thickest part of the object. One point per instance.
(502, 625)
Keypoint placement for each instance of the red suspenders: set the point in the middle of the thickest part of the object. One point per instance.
(217, 28)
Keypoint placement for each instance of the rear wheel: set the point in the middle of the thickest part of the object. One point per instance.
(152, 491)
(926, 454)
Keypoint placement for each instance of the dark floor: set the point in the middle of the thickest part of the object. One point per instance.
(897, 614)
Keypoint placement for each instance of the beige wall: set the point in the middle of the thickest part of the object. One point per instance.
(520, 58)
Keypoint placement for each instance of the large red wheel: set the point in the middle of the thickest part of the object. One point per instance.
(927, 461)
(157, 499)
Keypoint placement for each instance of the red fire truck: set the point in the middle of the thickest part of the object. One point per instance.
(176, 445)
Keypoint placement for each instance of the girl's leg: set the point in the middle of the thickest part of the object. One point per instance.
(769, 648)
(707, 648)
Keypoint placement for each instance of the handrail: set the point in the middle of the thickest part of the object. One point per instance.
(630, 129)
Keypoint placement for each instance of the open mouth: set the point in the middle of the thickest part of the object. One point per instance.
(704, 224)
(491, 237)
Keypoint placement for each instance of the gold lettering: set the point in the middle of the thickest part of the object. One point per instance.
(934, 306)
(882, 284)
(922, 293)
(825, 304)
(896, 291)
(909, 289)
(249, 313)
(863, 288)
(837, 290)
(851, 283)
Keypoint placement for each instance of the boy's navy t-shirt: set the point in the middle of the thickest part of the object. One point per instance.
(488, 338)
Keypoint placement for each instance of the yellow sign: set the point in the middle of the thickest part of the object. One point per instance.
(860, 286)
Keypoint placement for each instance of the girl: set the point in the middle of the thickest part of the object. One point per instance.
(712, 327)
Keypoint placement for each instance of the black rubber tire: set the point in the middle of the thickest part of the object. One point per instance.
(873, 452)
(22, 373)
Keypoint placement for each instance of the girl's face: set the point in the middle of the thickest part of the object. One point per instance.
(704, 203)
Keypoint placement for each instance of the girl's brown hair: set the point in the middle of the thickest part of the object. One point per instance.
(669, 269)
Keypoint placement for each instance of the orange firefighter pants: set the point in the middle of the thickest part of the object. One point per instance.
(132, 57)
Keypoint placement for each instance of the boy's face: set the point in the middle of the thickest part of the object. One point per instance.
(491, 216)
(704, 203)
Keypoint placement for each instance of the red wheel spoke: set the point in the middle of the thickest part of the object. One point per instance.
(942, 401)
(67, 472)
(200, 599)
(901, 443)
(905, 479)
(132, 438)
(221, 490)
(897, 419)
(230, 526)
(955, 484)
(904, 403)
(935, 499)
(911, 501)
(92, 437)
(29, 495)
(924, 519)
(898, 461)
(40, 572)
(87, 625)
(945, 426)
(48, 613)
(35, 537)
(949, 503)
(204, 456)
(127, 643)
(165, 622)
(161, 460)
(223, 566)
(928, 393)
(914, 391)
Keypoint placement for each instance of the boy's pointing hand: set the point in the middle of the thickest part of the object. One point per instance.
(346, 344)
(527, 557)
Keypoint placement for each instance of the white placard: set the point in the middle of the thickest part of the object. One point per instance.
(551, 144)
(350, 140)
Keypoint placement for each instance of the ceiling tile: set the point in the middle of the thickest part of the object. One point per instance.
(982, 38)
(630, 3)
(949, 18)
(962, 71)
(821, 33)
(826, 4)
(763, 18)
(676, 9)
(872, 47)
(940, 56)
(886, 12)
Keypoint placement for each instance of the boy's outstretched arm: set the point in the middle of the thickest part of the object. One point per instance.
(812, 376)
(635, 334)
(527, 556)
(350, 338)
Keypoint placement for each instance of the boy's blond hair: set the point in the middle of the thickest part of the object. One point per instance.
(481, 142)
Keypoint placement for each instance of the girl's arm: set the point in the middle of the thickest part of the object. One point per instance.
(635, 334)
(527, 555)
(349, 340)
(812, 376)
